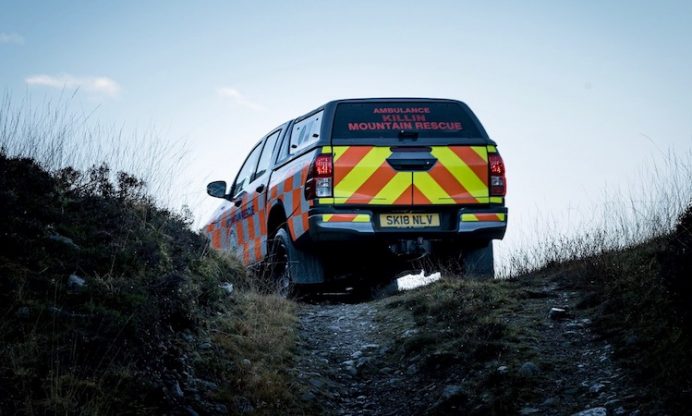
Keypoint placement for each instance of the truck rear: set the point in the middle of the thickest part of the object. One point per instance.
(407, 179)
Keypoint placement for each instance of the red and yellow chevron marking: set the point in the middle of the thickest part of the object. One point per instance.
(345, 217)
(482, 217)
(363, 176)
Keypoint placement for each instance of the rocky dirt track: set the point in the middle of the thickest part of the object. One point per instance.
(348, 367)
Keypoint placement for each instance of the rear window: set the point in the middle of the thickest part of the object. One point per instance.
(396, 119)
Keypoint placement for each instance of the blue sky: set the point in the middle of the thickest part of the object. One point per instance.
(579, 95)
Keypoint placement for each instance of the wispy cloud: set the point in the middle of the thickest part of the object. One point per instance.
(11, 38)
(95, 85)
(238, 98)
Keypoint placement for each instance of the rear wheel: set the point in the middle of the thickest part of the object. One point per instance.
(478, 261)
(291, 267)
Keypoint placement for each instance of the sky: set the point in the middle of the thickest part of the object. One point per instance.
(578, 95)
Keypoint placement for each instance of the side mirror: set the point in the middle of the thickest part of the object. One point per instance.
(217, 189)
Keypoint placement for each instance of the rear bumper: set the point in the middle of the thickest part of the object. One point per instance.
(456, 225)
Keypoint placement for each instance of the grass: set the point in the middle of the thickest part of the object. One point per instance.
(151, 330)
(463, 336)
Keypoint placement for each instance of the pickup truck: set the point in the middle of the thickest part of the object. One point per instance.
(363, 185)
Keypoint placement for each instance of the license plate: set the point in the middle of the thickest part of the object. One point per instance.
(409, 220)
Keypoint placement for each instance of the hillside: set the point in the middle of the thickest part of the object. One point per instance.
(111, 305)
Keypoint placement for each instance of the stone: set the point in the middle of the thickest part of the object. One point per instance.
(206, 385)
(596, 387)
(528, 369)
(503, 369)
(23, 312)
(526, 411)
(63, 240)
(557, 314)
(176, 390)
(205, 346)
(308, 397)
(75, 283)
(190, 411)
(594, 411)
(227, 287)
(452, 390)
(357, 354)
(245, 362)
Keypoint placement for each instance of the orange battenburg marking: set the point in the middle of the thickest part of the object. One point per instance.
(450, 184)
(372, 185)
(405, 197)
(418, 197)
(474, 161)
(348, 161)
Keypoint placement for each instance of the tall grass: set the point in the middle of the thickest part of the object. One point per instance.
(623, 217)
(55, 134)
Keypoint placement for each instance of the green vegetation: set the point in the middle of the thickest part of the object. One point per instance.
(111, 305)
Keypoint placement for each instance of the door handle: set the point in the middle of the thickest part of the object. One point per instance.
(237, 202)
(260, 188)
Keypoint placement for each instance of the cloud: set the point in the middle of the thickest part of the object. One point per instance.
(238, 98)
(95, 85)
(11, 38)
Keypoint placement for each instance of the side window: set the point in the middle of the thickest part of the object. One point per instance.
(245, 175)
(305, 132)
(266, 157)
(283, 148)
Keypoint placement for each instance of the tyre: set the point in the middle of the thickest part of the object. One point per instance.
(478, 261)
(291, 267)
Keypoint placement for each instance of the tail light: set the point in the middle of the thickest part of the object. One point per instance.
(498, 183)
(320, 177)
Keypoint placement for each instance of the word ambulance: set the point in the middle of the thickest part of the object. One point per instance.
(376, 182)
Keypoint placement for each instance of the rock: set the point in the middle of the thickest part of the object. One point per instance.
(316, 383)
(63, 240)
(221, 409)
(631, 340)
(411, 370)
(177, 391)
(243, 405)
(503, 369)
(357, 354)
(227, 287)
(348, 363)
(246, 363)
(550, 402)
(308, 397)
(409, 333)
(619, 411)
(557, 314)
(190, 411)
(369, 347)
(23, 312)
(75, 283)
(206, 385)
(594, 411)
(205, 346)
(187, 336)
(452, 390)
(528, 369)
(525, 411)
(351, 370)
(596, 388)
(635, 413)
